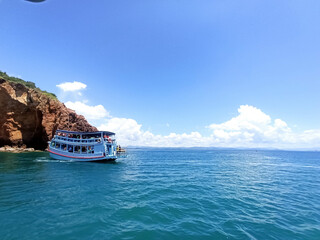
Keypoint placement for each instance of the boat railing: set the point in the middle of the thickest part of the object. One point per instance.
(77, 140)
(109, 140)
(84, 141)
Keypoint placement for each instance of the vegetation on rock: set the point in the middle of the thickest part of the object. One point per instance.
(28, 84)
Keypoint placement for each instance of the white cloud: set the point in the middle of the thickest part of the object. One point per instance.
(129, 133)
(89, 112)
(71, 86)
(251, 128)
(249, 118)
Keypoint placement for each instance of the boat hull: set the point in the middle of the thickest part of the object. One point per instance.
(81, 159)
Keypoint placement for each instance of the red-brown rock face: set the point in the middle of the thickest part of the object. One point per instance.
(31, 118)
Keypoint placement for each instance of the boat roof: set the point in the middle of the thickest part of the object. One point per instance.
(99, 132)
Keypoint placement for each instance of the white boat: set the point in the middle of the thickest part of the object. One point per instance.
(83, 146)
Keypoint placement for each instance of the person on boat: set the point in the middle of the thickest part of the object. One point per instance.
(70, 149)
(90, 149)
(77, 149)
(84, 149)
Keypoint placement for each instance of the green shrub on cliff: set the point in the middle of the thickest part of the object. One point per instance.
(28, 84)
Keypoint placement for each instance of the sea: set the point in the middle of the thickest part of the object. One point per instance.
(158, 193)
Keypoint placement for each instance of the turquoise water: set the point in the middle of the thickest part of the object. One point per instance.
(162, 194)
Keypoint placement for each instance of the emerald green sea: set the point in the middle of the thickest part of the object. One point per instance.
(162, 194)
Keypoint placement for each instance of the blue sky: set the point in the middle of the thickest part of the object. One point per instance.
(174, 66)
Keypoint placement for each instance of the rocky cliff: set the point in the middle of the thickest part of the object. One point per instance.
(29, 117)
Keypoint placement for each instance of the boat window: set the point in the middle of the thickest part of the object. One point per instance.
(76, 149)
(64, 147)
(53, 143)
(84, 149)
(89, 136)
(90, 149)
(70, 148)
(57, 145)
